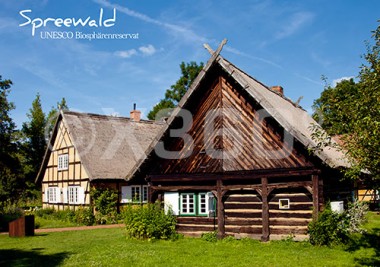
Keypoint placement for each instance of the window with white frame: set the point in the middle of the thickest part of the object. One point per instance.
(53, 194)
(202, 203)
(144, 193)
(187, 203)
(74, 194)
(196, 204)
(63, 162)
(136, 193)
(284, 204)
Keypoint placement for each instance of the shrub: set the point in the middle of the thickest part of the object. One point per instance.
(8, 213)
(149, 222)
(84, 216)
(44, 213)
(105, 202)
(334, 228)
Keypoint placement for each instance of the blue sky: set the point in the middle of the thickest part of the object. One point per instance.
(287, 43)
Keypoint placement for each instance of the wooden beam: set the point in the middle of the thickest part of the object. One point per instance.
(315, 181)
(183, 187)
(234, 175)
(220, 207)
(265, 210)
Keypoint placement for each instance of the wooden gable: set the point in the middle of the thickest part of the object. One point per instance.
(230, 132)
(64, 145)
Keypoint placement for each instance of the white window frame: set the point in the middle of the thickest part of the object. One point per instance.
(75, 195)
(144, 194)
(53, 194)
(136, 193)
(282, 205)
(205, 199)
(63, 162)
(186, 206)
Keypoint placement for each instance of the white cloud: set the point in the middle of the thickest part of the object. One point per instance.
(336, 81)
(184, 33)
(126, 53)
(297, 21)
(147, 50)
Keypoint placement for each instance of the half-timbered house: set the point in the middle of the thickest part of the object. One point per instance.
(88, 150)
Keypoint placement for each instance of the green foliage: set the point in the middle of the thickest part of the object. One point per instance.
(9, 162)
(33, 146)
(9, 212)
(81, 216)
(353, 111)
(53, 115)
(149, 222)
(189, 71)
(334, 107)
(334, 228)
(210, 236)
(84, 216)
(105, 202)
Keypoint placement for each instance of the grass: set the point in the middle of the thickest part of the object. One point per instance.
(42, 223)
(109, 247)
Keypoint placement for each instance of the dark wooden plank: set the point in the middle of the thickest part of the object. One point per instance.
(198, 220)
(220, 207)
(315, 196)
(294, 214)
(265, 210)
(288, 231)
(233, 175)
(244, 230)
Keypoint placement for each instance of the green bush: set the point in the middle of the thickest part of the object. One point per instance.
(149, 222)
(84, 216)
(105, 202)
(44, 213)
(333, 228)
(8, 213)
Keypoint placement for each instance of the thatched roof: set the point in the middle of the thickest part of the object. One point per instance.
(108, 146)
(290, 116)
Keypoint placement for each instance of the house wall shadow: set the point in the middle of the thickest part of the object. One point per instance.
(17, 257)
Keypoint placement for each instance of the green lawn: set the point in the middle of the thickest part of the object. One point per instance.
(109, 247)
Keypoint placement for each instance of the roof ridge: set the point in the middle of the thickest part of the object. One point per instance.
(267, 87)
(103, 116)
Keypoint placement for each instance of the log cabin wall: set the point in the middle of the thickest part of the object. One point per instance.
(226, 120)
(72, 175)
(275, 169)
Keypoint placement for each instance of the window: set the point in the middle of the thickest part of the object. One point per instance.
(196, 204)
(202, 203)
(53, 194)
(188, 203)
(136, 196)
(63, 162)
(134, 193)
(283, 204)
(145, 193)
(74, 194)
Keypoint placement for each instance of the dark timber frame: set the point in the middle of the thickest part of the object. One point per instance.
(258, 180)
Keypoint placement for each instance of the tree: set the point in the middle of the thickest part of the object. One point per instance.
(53, 115)
(34, 142)
(9, 164)
(173, 95)
(333, 108)
(353, 110)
